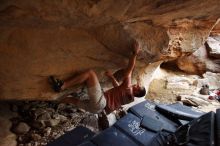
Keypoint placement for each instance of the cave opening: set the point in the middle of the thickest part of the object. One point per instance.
(178, 64)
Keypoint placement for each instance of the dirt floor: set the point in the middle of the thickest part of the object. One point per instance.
(159, 92)
(170, 84)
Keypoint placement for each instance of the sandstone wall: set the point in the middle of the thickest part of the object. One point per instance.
(42, 38)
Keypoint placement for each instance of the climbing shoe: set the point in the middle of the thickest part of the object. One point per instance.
(55, 83)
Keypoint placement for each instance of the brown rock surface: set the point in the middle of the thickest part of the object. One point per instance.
(206, 58)
(42, 38)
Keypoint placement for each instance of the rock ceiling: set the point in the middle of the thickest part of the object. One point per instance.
(41, 38)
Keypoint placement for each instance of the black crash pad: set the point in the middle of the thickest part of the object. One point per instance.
(217, 129)
(179, 111)
(198, 132)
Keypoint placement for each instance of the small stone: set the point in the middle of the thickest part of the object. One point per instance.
(47, 131)
(62, 118)
(38, 112)
(91, 120)
(55, 116)
(44, 117)
(20, 139)
(35, 137)
(81, 110)
(52, 122)
(61, 106)
(50, 110)
(38, 124)
(70, 128)
(21, 128)
(54, 134)
(57, 136)
(36, 143)
(73, 115)
(43, 143)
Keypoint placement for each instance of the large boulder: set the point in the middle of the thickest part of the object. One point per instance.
(213, 44)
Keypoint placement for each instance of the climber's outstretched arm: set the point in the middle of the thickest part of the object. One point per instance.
(132, 60)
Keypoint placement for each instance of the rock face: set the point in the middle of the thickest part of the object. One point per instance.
(206, 58)
(42, 38)
(213, 44)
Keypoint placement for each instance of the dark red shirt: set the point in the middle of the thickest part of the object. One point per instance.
(119, 95)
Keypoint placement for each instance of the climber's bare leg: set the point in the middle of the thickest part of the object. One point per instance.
(89, 77)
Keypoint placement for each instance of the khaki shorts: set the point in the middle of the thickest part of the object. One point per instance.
(96, 102)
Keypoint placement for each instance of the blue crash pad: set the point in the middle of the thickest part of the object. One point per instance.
(75, 137)
(130, 125)
(147, 108)
(88, 143)
(145, 126)
(113, 137)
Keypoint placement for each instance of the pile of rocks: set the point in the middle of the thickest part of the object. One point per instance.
(41, 122)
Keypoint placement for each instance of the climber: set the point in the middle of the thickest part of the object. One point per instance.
(109, 100)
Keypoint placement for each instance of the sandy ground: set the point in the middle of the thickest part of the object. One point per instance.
(159, 92)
